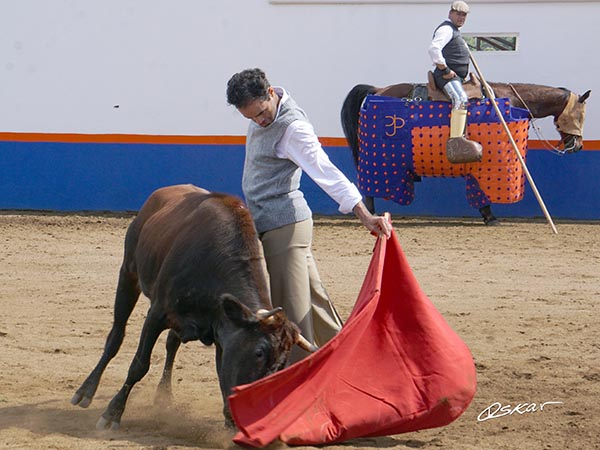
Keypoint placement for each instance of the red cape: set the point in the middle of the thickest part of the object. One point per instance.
(396, 366)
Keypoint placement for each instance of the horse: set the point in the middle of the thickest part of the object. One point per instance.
(566, 107)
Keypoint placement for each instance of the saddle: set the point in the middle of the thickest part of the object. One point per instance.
(472, 88)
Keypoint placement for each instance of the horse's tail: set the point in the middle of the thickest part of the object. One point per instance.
(349, 115)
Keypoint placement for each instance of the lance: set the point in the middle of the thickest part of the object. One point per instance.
(492, 97)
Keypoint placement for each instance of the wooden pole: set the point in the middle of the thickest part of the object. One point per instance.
(491, 95)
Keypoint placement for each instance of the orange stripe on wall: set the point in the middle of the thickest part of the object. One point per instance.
(190, 140)
(122, 138)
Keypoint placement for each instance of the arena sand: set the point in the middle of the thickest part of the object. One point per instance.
(523, 299)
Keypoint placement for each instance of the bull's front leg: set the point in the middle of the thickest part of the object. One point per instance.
(153, 327)
(229, 423)
(128, 292)
(164, 394)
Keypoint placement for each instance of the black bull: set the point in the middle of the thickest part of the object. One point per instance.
(197, 257)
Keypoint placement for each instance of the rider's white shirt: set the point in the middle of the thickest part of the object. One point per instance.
(442, 36)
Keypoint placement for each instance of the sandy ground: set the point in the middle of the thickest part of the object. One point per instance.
(525, 301)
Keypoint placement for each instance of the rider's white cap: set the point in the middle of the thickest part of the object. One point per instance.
(460, 6)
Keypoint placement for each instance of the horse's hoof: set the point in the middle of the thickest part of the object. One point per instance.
(492, 221)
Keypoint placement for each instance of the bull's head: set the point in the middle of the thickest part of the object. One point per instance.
(570, 123)
(252, 345)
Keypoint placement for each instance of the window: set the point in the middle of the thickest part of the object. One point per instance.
(506, 42)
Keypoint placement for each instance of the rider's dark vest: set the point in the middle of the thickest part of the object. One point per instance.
(456, 52)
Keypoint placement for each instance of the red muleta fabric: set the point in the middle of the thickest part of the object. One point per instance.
(396, 366)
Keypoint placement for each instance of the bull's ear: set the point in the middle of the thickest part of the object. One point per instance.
(235, 311)
(584, 97)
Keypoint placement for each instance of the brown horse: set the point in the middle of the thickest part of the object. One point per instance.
(567, 109)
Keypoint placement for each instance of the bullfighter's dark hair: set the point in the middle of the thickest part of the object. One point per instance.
(247, 86)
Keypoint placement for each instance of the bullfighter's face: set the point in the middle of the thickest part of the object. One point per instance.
(260, 111)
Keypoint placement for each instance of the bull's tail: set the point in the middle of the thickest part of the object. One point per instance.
(350, 112)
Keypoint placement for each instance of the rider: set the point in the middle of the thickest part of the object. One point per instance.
(450, 54)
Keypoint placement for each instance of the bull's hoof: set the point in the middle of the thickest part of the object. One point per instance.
(228, 422)
(105, 424)
(85, 394)
(163, 397)
(229, 425)
(81, 400)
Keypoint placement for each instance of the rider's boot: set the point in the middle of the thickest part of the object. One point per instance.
(458, 148)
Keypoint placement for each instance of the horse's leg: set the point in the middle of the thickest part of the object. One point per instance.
(128, 292)
(153, 327)
(370, 204)
(488, 216)
(479, 200)
(164, 394)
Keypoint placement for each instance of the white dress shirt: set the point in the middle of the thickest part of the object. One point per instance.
(441, 37)
(301, 145)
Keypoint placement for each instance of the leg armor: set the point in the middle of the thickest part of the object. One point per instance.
(458, 148)
(460, 102)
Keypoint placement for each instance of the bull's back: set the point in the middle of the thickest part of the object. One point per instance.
(180, 226)
(156, 205)
(168, 197)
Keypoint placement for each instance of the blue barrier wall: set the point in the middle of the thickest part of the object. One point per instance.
(119, 177)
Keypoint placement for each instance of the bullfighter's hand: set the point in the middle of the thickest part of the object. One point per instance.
(377, 225)
(381, 226)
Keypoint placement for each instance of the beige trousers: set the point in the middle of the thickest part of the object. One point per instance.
(296, 285)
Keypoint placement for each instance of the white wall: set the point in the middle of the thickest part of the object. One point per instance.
(64, 65)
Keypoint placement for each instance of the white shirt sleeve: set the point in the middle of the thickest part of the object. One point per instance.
(442, 36)
(301, 145)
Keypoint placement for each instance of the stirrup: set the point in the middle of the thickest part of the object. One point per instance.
(460, 150)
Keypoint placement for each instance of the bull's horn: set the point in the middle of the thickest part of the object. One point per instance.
(265, 314)
(303, 343)
(584, 97)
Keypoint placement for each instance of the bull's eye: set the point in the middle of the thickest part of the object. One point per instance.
(259, 353)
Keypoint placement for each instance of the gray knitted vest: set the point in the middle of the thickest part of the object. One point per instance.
(456, 52)
(271, 184)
